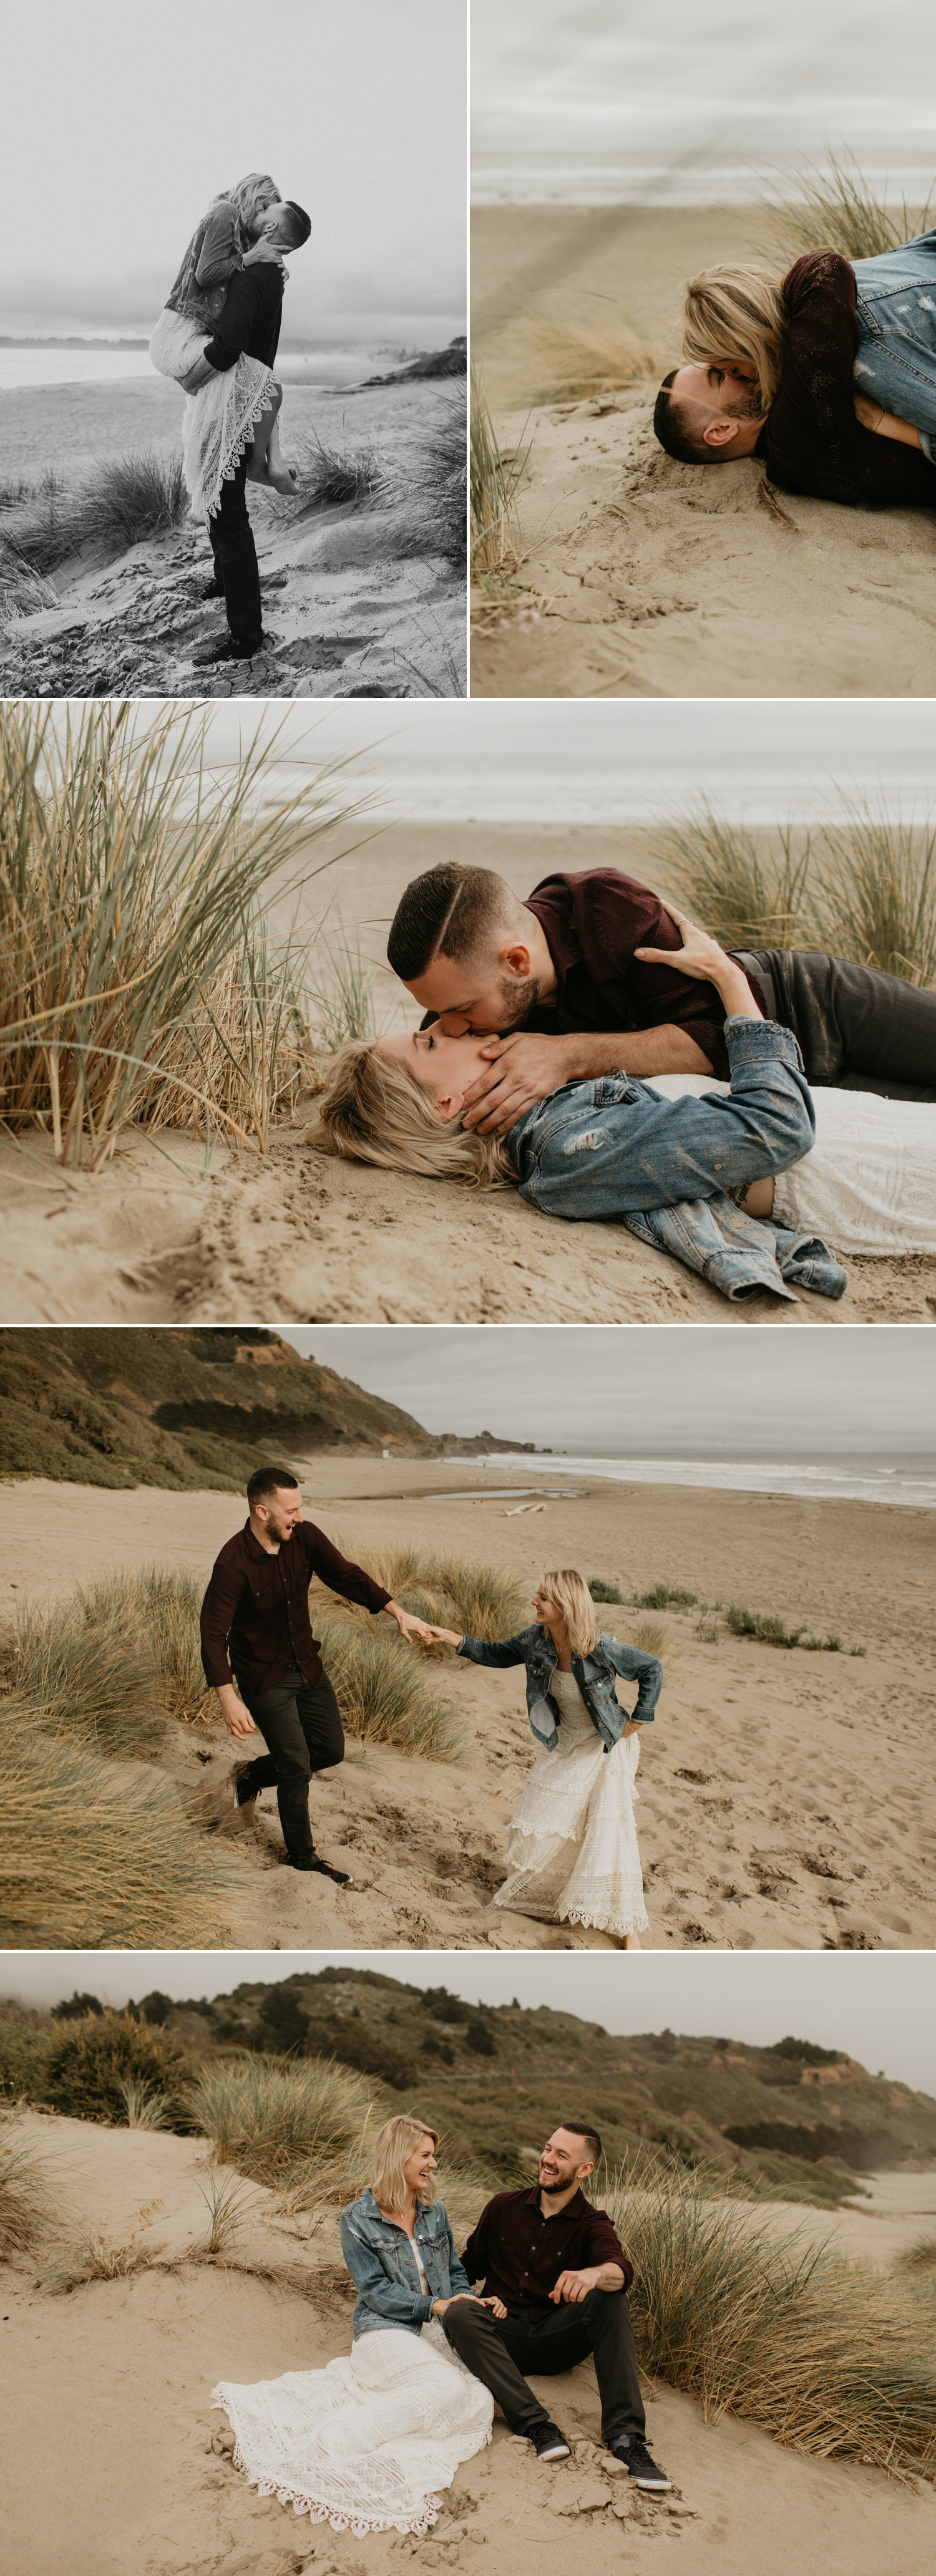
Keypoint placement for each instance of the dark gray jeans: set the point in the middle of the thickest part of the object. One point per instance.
(302, 1724)
(500, 2350)
(858, 1029)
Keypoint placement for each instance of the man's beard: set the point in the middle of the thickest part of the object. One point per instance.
(747, 407)
(519, 1002)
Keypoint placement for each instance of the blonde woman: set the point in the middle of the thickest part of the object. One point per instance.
(572, 1855)
(242, 416)
(367, 2443)
(746, 1183)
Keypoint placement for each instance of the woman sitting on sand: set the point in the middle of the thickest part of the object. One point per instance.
(572, 1855)
(744, 1182)
(239, 409)
(366, 2443)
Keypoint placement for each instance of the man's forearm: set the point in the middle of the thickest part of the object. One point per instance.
(666, 1049)
(609, 2276)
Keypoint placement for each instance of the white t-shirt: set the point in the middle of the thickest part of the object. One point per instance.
(421, 2269)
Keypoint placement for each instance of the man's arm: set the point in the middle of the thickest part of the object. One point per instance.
(525, 1069)
(353, 1584)
(217, 1613)
(571, 2287)
(233, 330)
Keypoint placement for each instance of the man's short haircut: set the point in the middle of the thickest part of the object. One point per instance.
(298, 223)
(583, 2129)
(673, 426)
(270, 1480)
(451, 911)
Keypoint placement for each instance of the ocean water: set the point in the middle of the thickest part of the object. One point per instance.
(589, 102)
(326, 369)
(904, 1482)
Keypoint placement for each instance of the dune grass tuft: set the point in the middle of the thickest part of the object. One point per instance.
(654, 1638)
(384, 1692)
(128, 499)
(485, 1601)
(495, 543)
(88, 1681)
(740, 898)
(876, 895)
(666, 1596)
(26, 2200)
(864, 888)
(145, 2108)
(93, 1859)
(919, 2257)
(94, 2258)
(331, 478)
(604, 1588)
(825, 2356)
(831, 207)
(771, 1631)
(578, 362)
(138, 984)
(278, 2121)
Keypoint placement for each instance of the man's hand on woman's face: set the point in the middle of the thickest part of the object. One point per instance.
(521, 1071)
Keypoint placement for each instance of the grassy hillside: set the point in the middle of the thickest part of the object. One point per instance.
(790, 2121)
(190, 1410)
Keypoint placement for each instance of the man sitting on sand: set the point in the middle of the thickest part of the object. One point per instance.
(560, 977)
(256, 1614)
(828, 375)
(557, 2282)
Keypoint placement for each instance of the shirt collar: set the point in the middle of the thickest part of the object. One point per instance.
(572, 2206)
(253, 1545)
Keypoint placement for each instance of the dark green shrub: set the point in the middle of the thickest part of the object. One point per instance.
(25, 2045)
(665, 1597)
(87, 2067)
(77, 2007)
(443, 2006)
(480, 2036)
(602, 1590)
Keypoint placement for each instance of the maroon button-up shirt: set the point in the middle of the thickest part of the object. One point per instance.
(255, 1613)
(521, 2254)
(593, 922)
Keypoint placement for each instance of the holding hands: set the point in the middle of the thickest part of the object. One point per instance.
(410, 1627)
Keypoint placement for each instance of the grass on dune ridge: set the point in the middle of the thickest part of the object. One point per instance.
(46, 523)
(138, 981)
(863, 888)
(93, 1859)
(829, 206)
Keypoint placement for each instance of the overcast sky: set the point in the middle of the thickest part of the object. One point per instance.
(121, 123)
(689, 1389)
(620, 98)
(875, 2005)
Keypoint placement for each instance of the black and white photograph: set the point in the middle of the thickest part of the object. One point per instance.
(232, 351)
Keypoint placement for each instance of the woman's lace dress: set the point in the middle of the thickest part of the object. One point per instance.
(869, 1184)
(366, 2443)
(572, 1855)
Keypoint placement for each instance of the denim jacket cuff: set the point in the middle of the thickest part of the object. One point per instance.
(422, 2311)
(750, 1041)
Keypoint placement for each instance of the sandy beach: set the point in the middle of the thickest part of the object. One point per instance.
(656, 579)
(782, 1793)
(123, 2371)
(354, 597)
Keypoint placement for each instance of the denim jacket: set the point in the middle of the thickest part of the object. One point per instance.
(896, 308)
(594, 1674)
(669, 1169)
(380, 2260)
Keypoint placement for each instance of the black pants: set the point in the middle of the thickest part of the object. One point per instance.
(857, 1028)
(302, 1725)
(500, 2350)
(235, 558)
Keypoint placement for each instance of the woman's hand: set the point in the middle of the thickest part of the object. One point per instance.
(263, 254)
(446, 1636)
(885, 424)
(707, 963)
(632, 1728)
(439, 2305)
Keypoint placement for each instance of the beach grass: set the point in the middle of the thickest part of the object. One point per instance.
(138, 985)
(831, 207)
(484, 1601)
(666, 1596)
(653, 1638)
(385, 1693)
(431, 489)
(771, 1631)
(85, 1681)
(827, 2357)
(569, 362)
(27, 2204)
(145, 2107)
(129, 499)
(494, 480)
(279, 2121)
(863, 888)
(604, 1588)
(25, 2044)
(920, 2257)
(94, 2258)
(91, 1858)
(331, 478)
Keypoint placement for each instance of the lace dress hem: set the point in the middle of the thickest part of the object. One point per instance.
(415, 2525)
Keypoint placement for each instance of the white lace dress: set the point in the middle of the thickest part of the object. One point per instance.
(869, 1184)
(367, 2443)
(572, 1855)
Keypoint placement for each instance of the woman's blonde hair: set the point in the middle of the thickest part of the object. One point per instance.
(253, 195)
(737, 317)
(373, 1110)
(395, 2143)
(571, 1595)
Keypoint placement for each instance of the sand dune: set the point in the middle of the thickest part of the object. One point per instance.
(783, 1795)
(353, 600)
(660, 579)
(109, 2424)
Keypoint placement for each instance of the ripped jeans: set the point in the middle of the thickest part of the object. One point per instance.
(896, 361)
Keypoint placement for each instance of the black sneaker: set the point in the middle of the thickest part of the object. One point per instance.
(636, 2459)
(241, 1791)
(341, 1877)
(226, 650)
(549, 2443)
(212, 590)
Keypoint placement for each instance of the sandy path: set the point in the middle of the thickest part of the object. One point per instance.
(109, 2428)
(784, 1797)
(666, 580)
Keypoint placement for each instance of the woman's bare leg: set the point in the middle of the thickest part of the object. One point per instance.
(265, 461)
